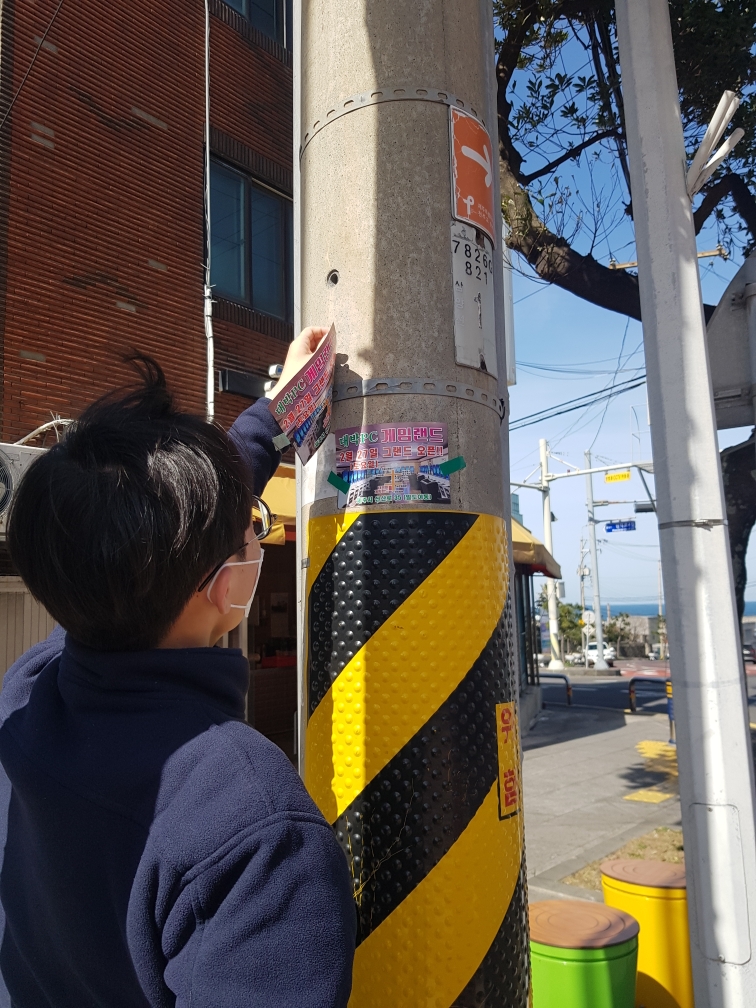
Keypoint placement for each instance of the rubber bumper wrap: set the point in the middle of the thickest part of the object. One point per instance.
(412, 752)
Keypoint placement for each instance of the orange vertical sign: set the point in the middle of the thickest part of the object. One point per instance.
(509, 760)
(472, 173)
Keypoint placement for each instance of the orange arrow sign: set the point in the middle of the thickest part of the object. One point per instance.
(472, 173)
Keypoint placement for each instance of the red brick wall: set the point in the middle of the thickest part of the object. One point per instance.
(242, 350)
(96, 192)
(255, 108)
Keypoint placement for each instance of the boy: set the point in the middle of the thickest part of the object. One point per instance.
(159, 852)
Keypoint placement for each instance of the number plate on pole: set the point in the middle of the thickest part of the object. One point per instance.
(472, 273)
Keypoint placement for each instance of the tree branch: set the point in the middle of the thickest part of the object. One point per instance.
(729, 185)
(506, 63)
(554, 260)
(550, 255)
(573, 152)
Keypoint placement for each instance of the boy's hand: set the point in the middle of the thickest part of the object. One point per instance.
(300, 350)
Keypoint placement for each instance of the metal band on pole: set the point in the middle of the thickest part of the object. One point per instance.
(418, 386)
(380, 95)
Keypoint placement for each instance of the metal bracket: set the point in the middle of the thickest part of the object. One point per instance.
(418, 386)
(376, 96)
(704, 523)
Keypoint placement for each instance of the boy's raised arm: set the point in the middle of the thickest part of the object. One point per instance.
(254, 429)
(252, 433)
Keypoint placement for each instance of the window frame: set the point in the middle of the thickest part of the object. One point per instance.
(282, 17)
(251, 182)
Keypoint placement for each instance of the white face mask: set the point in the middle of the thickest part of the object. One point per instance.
(240, 563)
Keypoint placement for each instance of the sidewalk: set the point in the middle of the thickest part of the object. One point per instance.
(579, 766)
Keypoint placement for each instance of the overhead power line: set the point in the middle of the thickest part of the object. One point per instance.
(582, 402)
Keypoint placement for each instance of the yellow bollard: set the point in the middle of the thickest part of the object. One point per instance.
(654, 893)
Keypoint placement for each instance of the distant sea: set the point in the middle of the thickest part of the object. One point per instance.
(652, 608)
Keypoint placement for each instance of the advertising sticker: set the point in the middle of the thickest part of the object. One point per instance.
(509, 760)
(303, 409)
(393, 464)
(472, 173)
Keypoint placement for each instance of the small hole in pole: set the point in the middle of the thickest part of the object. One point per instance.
(333, 278)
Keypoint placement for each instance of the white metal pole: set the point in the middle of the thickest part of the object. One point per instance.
(508, 309)
(208, 291)
(599, 664)
(556, 654)
(296, 63)
(586, 632)
(713, 744)
(750, 300)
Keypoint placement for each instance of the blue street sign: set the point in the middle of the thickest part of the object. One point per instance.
(621, 526)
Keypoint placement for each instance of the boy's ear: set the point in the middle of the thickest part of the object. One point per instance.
(220, 591)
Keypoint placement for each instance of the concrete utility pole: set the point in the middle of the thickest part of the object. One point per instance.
(713, 744)
(556, 652)
(406, 661)
(584, 631)
(599, 664)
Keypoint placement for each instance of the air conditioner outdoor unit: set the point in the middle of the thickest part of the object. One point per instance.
(14, 460)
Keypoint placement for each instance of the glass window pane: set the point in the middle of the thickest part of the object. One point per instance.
(228, 253)
(289, 279)
(265, 15)
(268, 253)
(238, 5)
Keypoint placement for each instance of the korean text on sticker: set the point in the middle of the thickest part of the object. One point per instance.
(393, 464)
(509, 760)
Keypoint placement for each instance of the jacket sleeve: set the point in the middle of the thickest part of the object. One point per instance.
(252, 433)
(20, 677)
(270, 922)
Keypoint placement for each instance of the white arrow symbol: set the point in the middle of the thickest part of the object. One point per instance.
(484, 161)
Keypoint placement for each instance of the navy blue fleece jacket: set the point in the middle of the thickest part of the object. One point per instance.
(158, 851)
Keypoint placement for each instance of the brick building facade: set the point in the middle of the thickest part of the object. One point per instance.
(102, 240)
(103, 231)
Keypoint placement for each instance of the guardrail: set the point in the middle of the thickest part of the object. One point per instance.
(558, 675)
(631, 689)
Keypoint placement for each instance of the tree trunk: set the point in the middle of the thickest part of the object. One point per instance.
(738, 467)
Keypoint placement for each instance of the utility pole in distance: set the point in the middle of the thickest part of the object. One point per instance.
(599, 664)
(713, 744)
(551, 595)
(410, 746)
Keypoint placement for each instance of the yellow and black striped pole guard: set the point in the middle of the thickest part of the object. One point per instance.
(412, 751)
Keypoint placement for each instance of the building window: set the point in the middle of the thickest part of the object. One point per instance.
(251, 243)
(268, 16)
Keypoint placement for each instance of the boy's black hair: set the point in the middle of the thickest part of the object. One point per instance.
(114, 528)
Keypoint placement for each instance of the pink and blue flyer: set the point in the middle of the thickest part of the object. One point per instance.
(303, 408)
(393, 464)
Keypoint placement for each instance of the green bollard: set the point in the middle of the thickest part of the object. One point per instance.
(583, 955)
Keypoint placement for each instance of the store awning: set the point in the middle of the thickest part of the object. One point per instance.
(530, 552)
(281, 497)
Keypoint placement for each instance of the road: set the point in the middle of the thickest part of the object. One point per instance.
(612, 692)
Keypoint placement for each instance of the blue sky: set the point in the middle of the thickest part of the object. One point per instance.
(592, 348)
(555, 328)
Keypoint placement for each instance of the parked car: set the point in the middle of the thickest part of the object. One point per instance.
(610, 654)
(749, 653)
